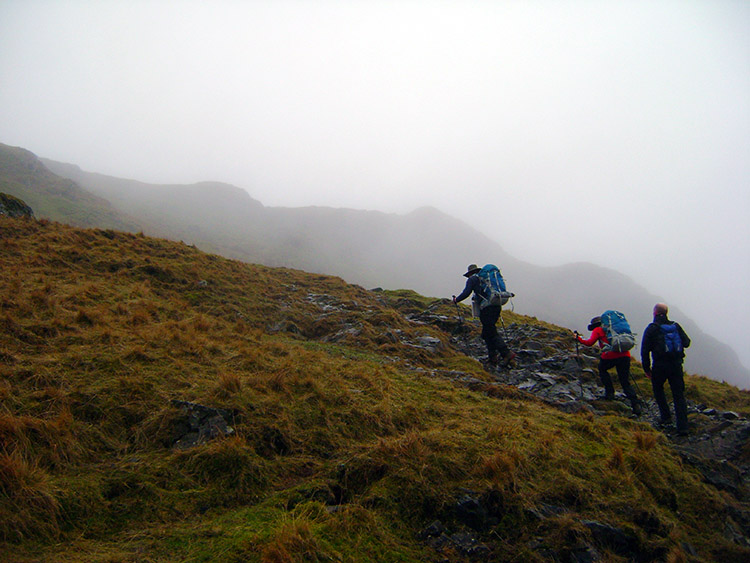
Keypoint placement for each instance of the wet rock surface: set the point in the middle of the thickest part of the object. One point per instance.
(200, 424)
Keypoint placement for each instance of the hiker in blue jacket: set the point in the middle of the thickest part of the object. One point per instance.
(665, 341)
(488, 316)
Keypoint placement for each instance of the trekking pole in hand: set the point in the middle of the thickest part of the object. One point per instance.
(458, 312)
(578, 353)
(635, 383)
(580, 364)
(460, 322)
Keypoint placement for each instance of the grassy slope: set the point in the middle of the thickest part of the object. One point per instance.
(99, 330)
(50, 196)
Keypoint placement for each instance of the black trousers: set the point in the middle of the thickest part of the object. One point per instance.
(670, 371)
(495, 343)
(623, 374)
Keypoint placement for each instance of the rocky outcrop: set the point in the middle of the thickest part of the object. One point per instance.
(199, 424)
(13, 207)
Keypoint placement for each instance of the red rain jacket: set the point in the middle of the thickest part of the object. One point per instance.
(599, 334)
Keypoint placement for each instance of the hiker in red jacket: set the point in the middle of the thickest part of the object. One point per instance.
(609, 360)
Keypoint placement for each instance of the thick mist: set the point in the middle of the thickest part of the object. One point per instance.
(614, 133)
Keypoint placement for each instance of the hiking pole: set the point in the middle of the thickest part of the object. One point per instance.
(502, 322)
(460, 322)
(638, 396)
(458, 312)
(580, 365)
(632, 378)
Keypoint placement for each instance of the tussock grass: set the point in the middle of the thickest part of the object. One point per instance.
(30, 507)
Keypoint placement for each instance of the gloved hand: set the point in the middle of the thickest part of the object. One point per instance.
(648, 374)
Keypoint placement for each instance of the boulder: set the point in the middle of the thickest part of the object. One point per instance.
(13, 207)
(200, 424)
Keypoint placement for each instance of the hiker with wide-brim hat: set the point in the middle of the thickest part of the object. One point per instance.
(488, 315)
(611, 359)
(471, 270)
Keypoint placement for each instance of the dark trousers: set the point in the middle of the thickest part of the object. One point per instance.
(495, 343)
(670, 371)
(623, 374)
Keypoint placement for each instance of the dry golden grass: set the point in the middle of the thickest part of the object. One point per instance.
(677, 555)
(500, 469)
(294, 542)
(229, 384)
(645, 440)
(617, 459)
(29, 507)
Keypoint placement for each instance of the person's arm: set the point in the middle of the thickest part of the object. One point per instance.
(683, 336)
(646, 350)
(470, 284)
(596, 335)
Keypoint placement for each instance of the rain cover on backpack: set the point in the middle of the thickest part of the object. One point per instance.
(619, 335)
(492, 287)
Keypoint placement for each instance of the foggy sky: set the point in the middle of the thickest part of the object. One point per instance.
(611, 132)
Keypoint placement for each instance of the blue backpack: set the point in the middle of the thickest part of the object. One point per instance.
(492, 287)
(617, 328)
(672, 339)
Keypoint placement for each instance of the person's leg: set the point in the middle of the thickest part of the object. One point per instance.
(495, 343)
(623, 374)
(488, 317)
(609, 390)
(677, 385)
(658, 377)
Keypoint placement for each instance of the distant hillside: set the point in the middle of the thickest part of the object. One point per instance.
(49, 195)
(164, 404)
(425, 250)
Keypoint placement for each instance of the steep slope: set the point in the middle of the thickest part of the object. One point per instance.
(425, 250)
(162, 404)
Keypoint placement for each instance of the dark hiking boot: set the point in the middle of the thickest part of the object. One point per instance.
(509, 359)
(637, 410)
(493, 358)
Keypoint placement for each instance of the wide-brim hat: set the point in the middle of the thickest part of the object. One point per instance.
(471, 270)
(595, 322)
